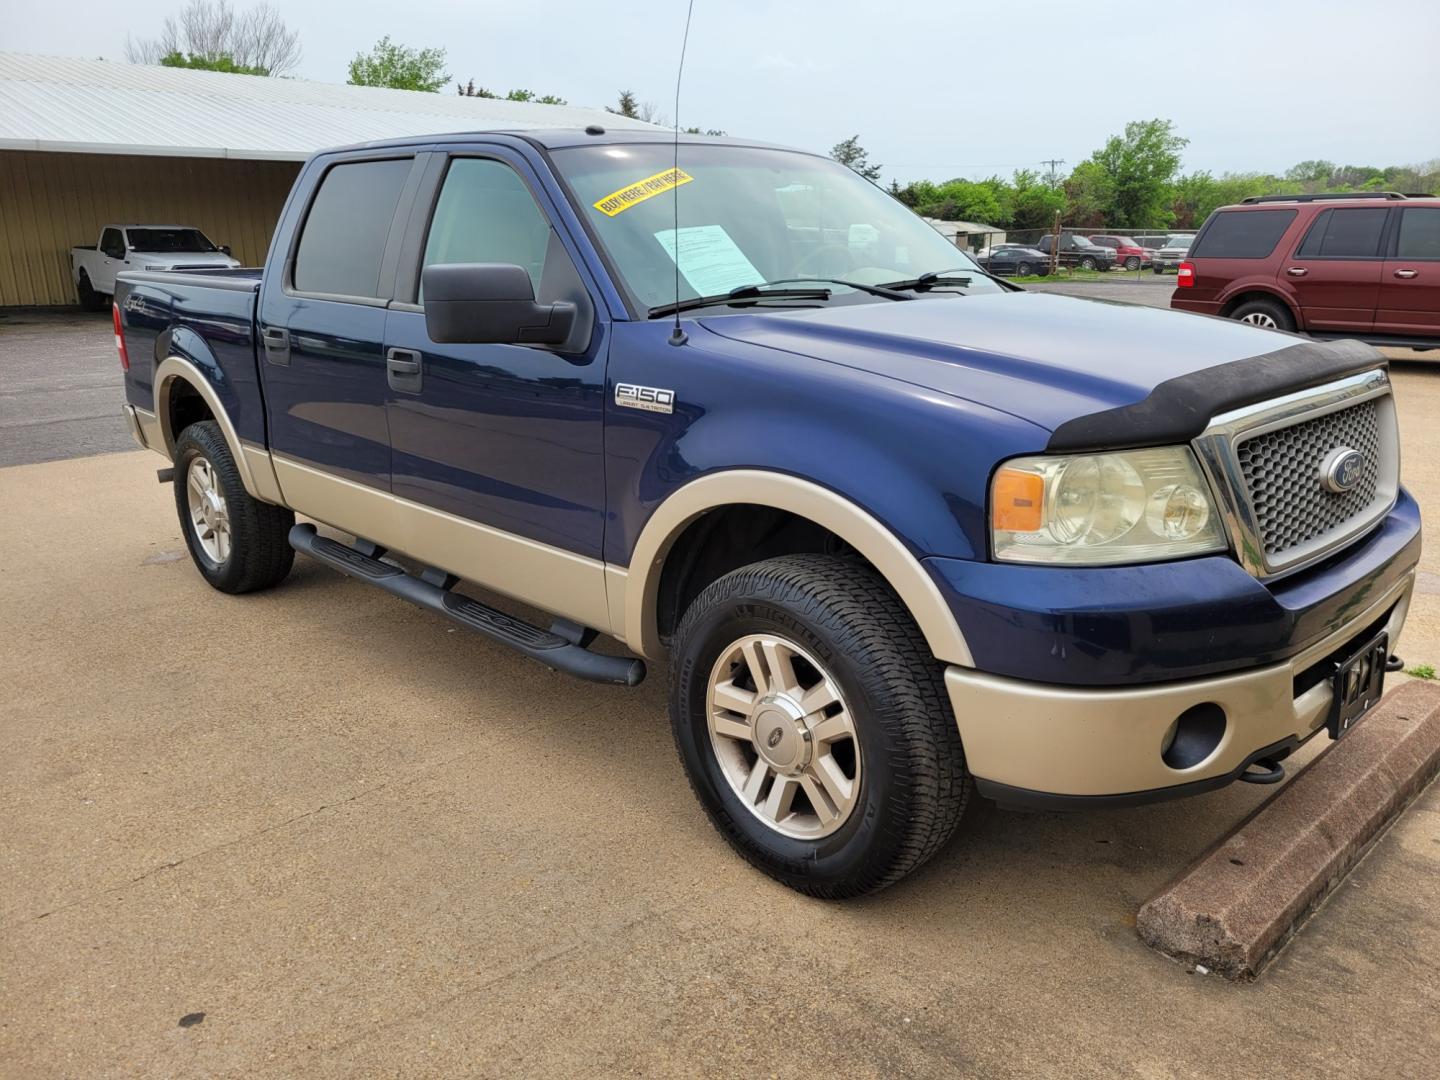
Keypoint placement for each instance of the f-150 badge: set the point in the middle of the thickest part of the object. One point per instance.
(648, 398)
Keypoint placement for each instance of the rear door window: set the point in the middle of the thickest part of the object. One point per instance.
(1242, 234)
(345, 231)
(1419, 233)
(1345, 234)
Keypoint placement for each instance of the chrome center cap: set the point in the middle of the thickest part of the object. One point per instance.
(780, 734)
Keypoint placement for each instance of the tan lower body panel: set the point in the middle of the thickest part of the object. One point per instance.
(1068, 741)
(147, 430)
(556, 581)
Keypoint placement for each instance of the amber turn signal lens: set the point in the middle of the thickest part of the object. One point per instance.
(1017, 501)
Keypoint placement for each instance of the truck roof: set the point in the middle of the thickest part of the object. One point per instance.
(557, 138)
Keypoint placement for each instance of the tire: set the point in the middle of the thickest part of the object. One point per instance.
(907, 782)
(1023, 270)
(90, 300)
(1264, 313)
(255, 552)
(1158, 269)
(1087, 262)
(1132, 263)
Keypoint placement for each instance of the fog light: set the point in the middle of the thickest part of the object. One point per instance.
(1194, 736)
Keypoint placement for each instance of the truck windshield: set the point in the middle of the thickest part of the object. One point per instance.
(747, 215)
(170, 240)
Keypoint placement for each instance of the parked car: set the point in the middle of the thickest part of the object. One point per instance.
(1077, 251)
(900, 531)
(140, 247)
(1014, 259)
(1172, 253)
(1128, 253)
(1332, 266)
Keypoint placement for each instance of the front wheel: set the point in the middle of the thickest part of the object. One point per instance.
(1023, 270)
(814, 726)
(1087, 263)
(238, 543)
(1158, 269)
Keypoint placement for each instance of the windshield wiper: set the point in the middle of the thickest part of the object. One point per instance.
(765, 290)
(744, 294)
(930, 279)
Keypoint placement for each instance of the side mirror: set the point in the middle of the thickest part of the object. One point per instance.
(490, 303)
(224, 249)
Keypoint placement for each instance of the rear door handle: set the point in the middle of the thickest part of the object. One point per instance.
(1407, 273)
(403, 372)
(1297, 271)
(277, 344)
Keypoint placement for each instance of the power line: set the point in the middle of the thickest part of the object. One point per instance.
(1052, 162)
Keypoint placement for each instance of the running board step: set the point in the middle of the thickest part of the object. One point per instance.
(551, 649)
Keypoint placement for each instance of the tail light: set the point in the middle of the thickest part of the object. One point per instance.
(120, 339)
(1186, 275)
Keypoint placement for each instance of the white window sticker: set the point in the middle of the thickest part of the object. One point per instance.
(709, 260)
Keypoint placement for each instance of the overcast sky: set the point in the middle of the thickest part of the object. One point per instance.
(934, 90)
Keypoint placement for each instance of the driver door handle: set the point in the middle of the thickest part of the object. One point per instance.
(403, 371)
(1297, 271)
(1407, 273)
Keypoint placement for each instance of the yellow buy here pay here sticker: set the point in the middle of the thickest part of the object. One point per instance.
(638, 192)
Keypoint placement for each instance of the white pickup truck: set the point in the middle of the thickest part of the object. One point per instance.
(140, 247)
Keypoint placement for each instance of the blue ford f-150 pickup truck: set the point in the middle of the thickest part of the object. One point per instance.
(901, 531)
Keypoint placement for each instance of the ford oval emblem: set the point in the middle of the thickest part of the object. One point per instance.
(1342, 469)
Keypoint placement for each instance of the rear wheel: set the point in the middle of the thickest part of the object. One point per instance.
(1269, 314)
(813, 723)
(238, 543)
(1132, 262)
(90, 300)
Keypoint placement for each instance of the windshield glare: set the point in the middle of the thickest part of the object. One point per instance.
(747, 215)
(170, 240)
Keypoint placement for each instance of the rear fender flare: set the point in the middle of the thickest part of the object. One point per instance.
(253, 463)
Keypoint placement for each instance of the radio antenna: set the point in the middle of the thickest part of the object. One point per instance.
(677, 335)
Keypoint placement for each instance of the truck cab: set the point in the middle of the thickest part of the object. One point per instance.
(897, 532)
(140, 247)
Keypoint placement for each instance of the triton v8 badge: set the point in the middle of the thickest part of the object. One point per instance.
(649, 398)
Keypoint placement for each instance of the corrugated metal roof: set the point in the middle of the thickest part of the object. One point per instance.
(99, 106)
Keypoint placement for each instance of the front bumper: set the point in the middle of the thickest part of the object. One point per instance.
(1038, 744)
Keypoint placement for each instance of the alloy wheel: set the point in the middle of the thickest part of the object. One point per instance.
(783, 736)
(209, 516)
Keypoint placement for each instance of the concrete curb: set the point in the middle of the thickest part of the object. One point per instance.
(1238, 903)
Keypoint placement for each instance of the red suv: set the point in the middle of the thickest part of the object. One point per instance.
(1363, 266)
(1128, 253)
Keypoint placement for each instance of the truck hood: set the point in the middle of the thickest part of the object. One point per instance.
(1044, 358)
(179, 260)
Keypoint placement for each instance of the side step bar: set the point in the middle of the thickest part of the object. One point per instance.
(562, 648)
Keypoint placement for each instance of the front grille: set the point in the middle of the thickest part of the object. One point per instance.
(1281, 470)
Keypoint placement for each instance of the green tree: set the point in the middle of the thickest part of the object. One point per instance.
(399, 67)
(222, 62)
(850, 152)
(628, 106)
(1137, 169)
(1034, 202)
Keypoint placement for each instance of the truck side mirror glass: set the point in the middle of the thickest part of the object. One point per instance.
(490, 303)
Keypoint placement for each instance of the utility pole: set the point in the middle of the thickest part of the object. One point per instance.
(1055, 246)
(1052, 162)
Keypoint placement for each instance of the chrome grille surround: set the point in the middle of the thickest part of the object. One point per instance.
(1264, 460)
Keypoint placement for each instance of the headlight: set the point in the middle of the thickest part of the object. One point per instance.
(1132, 506)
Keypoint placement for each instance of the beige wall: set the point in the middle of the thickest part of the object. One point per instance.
(50, 202)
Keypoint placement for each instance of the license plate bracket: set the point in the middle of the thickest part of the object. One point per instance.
(1358, 684)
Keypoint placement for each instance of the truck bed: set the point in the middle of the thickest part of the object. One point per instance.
(210, 318)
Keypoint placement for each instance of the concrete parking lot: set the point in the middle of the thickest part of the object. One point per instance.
(318, 832)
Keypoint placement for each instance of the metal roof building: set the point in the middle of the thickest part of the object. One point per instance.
(85, 142)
